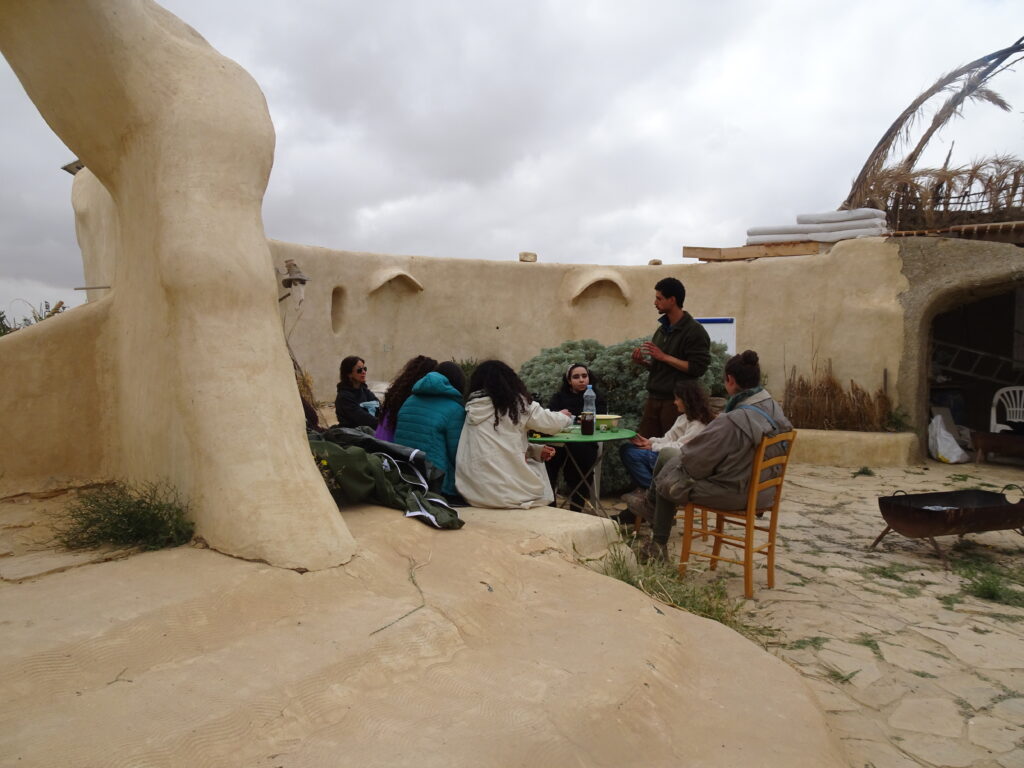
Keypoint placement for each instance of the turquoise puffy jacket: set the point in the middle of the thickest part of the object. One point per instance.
(431, 419)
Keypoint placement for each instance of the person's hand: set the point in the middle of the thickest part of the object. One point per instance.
(638, 356)
(547, 452)
(641, 442)
(653, 350)
(566, 412)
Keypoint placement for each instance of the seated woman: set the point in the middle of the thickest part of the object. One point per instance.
(496, 466)
(640, 453)
(431, 419)
(714, 467)
(355, 405)
(398, 392)
(570, 398)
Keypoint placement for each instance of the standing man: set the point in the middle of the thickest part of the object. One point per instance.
(680, 349)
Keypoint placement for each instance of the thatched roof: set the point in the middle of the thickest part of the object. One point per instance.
(989, 189)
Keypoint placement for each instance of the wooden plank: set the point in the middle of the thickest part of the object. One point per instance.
(743, 252)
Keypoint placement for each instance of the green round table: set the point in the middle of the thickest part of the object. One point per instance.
(592, 478)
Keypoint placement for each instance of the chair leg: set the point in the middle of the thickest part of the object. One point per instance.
(771, 551)
(748, 558)
(704, 523)
(684, 554)
(716, 549)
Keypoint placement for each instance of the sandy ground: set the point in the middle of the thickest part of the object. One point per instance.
(488, 646)
(909, 669)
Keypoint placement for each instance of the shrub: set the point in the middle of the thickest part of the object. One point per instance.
(150, 516)
(542, 374)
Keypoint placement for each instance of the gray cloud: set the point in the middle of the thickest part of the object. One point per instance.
(586, 131)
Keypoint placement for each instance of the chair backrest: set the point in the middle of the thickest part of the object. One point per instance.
(1012, 400)
(761, 464)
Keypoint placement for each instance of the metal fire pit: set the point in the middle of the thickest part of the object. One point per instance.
(949, 513)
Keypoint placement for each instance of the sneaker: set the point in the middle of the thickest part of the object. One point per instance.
(641, 507)
(634, 494)
(652, 551)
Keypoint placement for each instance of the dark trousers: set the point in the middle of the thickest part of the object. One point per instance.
(658, 417)
(585, 456)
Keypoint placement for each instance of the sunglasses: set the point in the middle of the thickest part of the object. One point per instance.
(361, 370)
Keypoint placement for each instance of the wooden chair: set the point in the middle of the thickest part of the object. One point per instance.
(748, 518)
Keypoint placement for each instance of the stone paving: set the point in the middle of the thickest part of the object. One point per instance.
(909, 669)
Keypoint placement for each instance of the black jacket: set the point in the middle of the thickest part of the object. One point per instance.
(573, 402)
(348, 409)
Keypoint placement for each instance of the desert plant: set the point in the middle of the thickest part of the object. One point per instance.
(542, 374)
(150, 516)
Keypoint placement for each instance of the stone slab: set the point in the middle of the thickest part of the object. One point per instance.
(935, 716)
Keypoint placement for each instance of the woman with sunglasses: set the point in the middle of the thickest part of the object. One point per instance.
(355, 405)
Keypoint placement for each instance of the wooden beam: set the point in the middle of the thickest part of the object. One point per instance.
(743, 252)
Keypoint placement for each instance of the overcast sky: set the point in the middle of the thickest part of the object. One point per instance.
(589, 132)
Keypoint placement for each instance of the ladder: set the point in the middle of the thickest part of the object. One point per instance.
(986, 366)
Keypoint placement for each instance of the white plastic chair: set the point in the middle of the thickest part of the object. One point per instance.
(1012, 400)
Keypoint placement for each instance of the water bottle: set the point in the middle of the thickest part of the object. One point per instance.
(588, 416)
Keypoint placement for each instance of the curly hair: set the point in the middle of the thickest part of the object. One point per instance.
(695, 400)
(400, 389)
(566, 387)
(499, 382)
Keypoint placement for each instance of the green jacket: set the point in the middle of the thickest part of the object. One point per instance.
(354, 476)
(686, 340)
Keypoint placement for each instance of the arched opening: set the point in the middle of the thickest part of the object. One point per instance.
(976, 348)
(337, 308)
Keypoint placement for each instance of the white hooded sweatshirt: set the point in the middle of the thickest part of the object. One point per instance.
(491, 468)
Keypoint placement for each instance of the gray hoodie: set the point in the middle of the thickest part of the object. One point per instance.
(719, 459)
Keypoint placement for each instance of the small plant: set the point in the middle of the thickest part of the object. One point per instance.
(817, 642)
(661, 581)
(864, 472)
(836, 675)
(868, 641)
(987, 579)
(898, 420)
(150, 516)
(893, 571)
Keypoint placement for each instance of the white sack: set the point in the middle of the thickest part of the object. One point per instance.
(824, 218)
(942, 445)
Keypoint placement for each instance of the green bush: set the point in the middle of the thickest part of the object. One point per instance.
(150, 516)
(623, 384)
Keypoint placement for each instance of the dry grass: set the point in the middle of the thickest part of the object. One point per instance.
(821, 402)
(988, 190)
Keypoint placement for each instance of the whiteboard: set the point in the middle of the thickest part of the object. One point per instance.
(721, 329)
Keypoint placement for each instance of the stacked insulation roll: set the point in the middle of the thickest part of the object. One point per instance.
(829, 227)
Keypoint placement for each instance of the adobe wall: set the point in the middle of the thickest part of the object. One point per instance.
(796, 311)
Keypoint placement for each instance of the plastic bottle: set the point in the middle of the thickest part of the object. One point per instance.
(589, 413)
